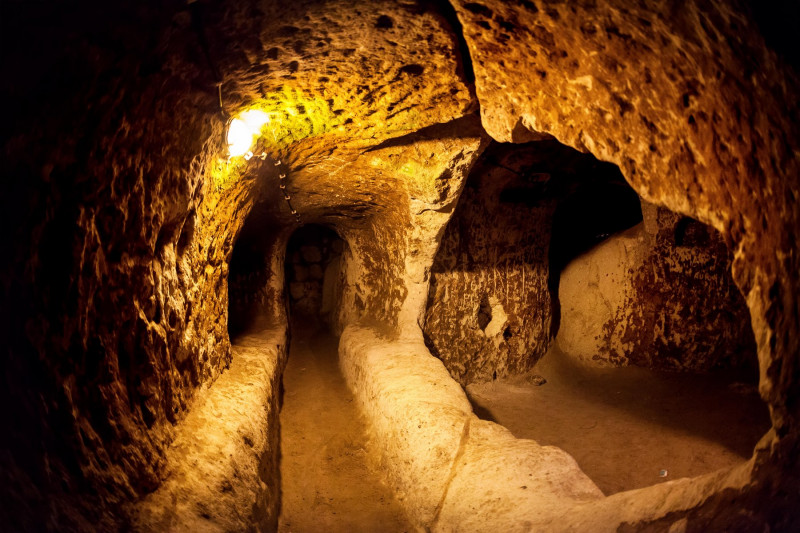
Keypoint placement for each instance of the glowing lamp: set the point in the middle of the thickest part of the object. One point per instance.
(243, 130)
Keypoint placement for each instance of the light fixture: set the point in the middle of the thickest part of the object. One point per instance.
(243, 130)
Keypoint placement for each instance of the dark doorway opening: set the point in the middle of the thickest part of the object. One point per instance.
(313, 266)
(249, 271)
(589, 212)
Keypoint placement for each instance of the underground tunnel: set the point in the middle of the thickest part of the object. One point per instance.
(400, 266)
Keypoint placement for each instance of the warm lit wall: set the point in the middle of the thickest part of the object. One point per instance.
(702, 118)
(659, 295)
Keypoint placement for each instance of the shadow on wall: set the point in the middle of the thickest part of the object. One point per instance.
(589, 213)
(250, 271)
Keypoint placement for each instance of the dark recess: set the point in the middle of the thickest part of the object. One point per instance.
(594, 211)
(248, 270)
(463, 59)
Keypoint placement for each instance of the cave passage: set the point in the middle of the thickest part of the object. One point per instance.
(313, 257)
(326, 481)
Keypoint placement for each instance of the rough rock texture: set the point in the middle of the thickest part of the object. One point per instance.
(125, 217)
(214, 482)
(491, 305)
(451, 471)
(121, 216)
(659, 295)
(119, 243)
(391, 246)
(698, 113)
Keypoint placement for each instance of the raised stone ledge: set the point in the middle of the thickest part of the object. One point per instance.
(223, 463)
(451, 470)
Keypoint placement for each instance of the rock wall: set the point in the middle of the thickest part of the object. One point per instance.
(659, 295)
(491, 306)
(702, 118)
(121, 216)
(114, 282)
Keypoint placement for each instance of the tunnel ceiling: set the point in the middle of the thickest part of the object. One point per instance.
(340, 81)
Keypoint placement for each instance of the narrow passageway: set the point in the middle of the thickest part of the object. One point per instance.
(326, 483)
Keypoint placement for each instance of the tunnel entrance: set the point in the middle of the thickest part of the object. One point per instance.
(313, 265)
(327, 479)
(623, 338)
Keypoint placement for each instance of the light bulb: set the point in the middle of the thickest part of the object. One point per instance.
(243, 130)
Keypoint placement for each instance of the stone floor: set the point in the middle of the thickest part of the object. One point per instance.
(624, 426)
(326, 482)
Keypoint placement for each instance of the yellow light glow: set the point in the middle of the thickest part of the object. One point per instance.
(243, 130)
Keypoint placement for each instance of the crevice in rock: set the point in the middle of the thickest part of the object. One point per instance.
(454, 468)
(464, 59)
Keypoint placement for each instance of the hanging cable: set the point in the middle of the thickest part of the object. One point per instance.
(286, 195)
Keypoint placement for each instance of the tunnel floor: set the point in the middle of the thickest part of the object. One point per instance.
(326, 484)
(625, 425)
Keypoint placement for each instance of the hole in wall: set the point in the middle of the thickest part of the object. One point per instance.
(484, 315)
(691, 233)
(249, 272)
(384, 22)
(528, 212)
